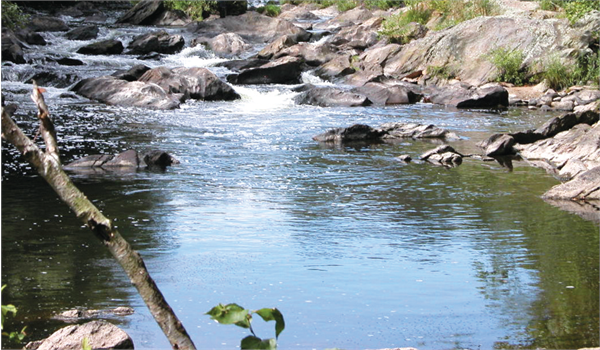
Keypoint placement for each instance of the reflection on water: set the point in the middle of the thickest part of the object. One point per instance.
(357, 249)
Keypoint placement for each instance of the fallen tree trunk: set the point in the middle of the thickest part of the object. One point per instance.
(48, 165)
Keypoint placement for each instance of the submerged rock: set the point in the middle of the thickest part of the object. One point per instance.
(128, 160)
(354, 133)
(79, 314)
(386, 132)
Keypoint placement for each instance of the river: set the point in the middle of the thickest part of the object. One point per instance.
(357, 249)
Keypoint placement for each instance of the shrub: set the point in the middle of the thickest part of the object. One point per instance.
(382, 4)
(195, 9)
(270, 10)
(508, 62)
(12, 15)
(585, 70)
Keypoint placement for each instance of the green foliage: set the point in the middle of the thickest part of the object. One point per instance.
(12, 336)
(194, 9)
(237, 315)
(382, 4)
(12, 16)
(509, 63)
(441, 72)
(578, 8)
(560, 76)
(397, 28)
(270, 10)
(574, 9)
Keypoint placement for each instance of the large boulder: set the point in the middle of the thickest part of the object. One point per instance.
(584, 186)
(99, 335)
(160, 41)
(466, 46)
(195, 83)
(462, 95)
(314, 54)
(252, 26)
(228, 45)
(11, 48)
(83, 33)
(370, 64)
(345, 19)
(336, 68)
(113, 91)
(498, 145)
(143, 13)
(390, 94)
(359, 36)
(48, 24)
(568, 152)
(331, 97)
(277, 45)
(104, 47)
(285, 70)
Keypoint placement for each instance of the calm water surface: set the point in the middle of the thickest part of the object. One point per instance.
(357, 249)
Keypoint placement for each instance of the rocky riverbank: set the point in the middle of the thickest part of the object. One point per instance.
(347, 49)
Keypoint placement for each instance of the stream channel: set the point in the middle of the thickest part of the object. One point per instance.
(357, 249)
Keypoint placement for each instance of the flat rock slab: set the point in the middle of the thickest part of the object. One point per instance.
(100, 335)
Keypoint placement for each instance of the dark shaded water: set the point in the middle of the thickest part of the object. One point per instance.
(355, 248)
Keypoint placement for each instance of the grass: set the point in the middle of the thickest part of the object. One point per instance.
(420, 11)
(585, 71)
(573, 9)
(509, 64)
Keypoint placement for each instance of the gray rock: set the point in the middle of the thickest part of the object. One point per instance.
(228, 45)
(104, 47)
(390, 94)
(462, 95)
(83, 33)
(76, 315)
(438, 150)
(30, 37)
(498, 145)
(396, 130)
(132, 74)
(11, 47)
(130, 159)
(359, 36)
(466, 45)
(581, 142)
(354, 133)
(160, 42)
(252, 26)
(336, 68)
(585, 186)
(312, 53)
(285, 70)
(113, 91)
(143, 13)
(331, 97)
(345, 19)
(566, 122)
(277, 46)
(100, 335)
(195, 83)
(48, 24)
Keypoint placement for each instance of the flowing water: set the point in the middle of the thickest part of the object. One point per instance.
(358, 250)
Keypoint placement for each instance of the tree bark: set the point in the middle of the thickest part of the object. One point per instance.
(48, 165)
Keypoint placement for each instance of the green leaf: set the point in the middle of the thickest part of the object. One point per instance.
(251, 342)
(231, 314)
(272, 314)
